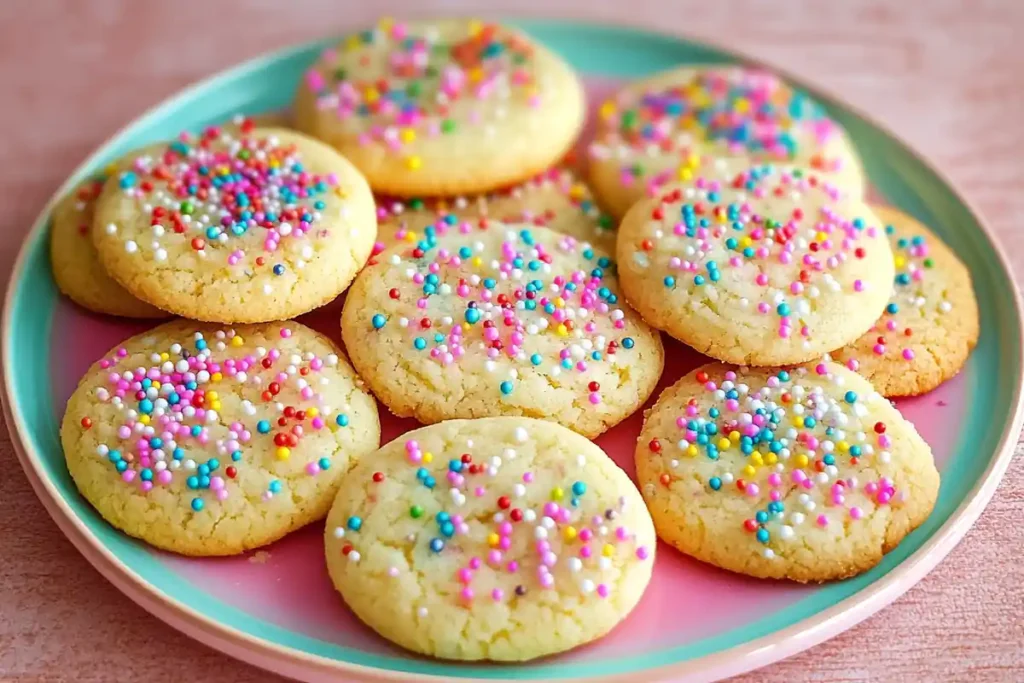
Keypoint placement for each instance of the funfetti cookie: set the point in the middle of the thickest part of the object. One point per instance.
(76, 264)
(248, 226)
(442, 107)
(502, 539)
(805, 474)
(930, 324)
(555, 199)
(212, 441)
(768, 266)
(665, 129)
(484, 319)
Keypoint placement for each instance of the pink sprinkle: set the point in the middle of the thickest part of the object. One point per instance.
(856, 513)
(602, 590)
(908, 354)
(642, 553)
(822, 521)
(497, 595)
(513, 567)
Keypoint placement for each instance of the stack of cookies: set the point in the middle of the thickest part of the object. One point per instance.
(426, 173)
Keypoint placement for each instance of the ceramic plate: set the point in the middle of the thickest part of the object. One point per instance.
(275, 607)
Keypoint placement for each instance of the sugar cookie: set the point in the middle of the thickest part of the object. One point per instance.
(76, 265)
(930, 324)
(805, 474)
(770, 266)
(262, 224)
(442, 107)
(662, 129)
(502, 538)
(484, 319)
(206, 441)
(554, 199)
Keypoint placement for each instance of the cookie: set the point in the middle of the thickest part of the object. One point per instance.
(485, 319)
(210, 441)
(503, 539)
(76, 265)
(930, 325)
(770, 266)
(666, 129)
(249, 226)
(442, 107)
(554, 199)
(805, 474)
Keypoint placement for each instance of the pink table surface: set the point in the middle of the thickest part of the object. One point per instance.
(946, 76)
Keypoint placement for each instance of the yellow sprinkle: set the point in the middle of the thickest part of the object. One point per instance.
(692, 450)
(821, 236)
(801, 460)
(741, 105)
(110, 169)
(215, 405)
(274, 163)
(341, 192)
(608, 550)
(212, 395)
(165, 356)
(283, 453)
(476, 74)
(798, 421)
(771, 458)
(559, 302)
(569, 534)
(412, 163)
(144, 419)
(352, 42)
(557, 493)
(562, 330)
(607, 109)
(901, 261)
(477, 261)
(749, 471)
(685, 173)
(577, 192)
(411, 237)
(746, 242)
(734, 436)
(312, 412)
(156, 384)
(237, 340)
(216, 377)
(407, 135)
(475, 26)
(723, 444)
(756, 459)
(428, 457)
(371, 95)
(493, 540)
(693, 160)
(843, 446)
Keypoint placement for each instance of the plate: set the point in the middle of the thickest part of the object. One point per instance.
(275, 607)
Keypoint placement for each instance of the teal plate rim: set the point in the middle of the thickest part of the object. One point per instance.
(765, 647)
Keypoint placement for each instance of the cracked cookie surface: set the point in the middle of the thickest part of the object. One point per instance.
(209, 441)
(484, 318)
(442, 107)
(930, 325)
(765, 266)
(805, 474)
(502, 539)
(239, 224)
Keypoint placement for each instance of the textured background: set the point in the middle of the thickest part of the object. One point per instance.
(946, 76)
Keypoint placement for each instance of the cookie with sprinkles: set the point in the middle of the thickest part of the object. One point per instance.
(500, 539)
(209, 441)
(555, 199)
(76, 263)
(769, 266)
(235, 225)
(805, 474)
(480, 319)
(442, 107)
(663, 129)
(930, 324)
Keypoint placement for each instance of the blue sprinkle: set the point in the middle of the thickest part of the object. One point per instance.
(378, 321)
(324, 463)
(342, 420)
(715, 483)
(355, 523)
(436, 544)
(506, 387)
(197, 504)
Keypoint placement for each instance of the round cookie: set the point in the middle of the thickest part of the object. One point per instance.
(805, 474)
(484, 319)
(442, 107)
(665, 128)
(554, 199)
(246, 226)
(770, 266)
(503, 539)
(76, 265)
(930, 324)
(209, 441)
